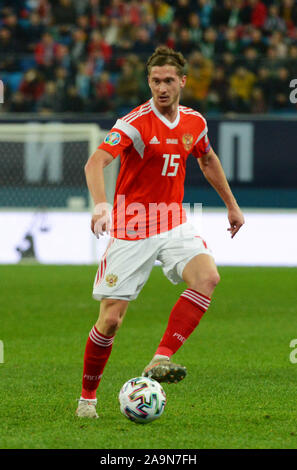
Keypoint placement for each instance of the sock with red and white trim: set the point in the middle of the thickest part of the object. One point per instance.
(97, 352)
(184, 318)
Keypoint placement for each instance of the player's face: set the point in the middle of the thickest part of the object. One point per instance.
(165, 85)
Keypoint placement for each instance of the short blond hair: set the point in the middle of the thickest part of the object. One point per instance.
(163, 55)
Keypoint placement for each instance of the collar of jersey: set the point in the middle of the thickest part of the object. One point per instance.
(167, 123)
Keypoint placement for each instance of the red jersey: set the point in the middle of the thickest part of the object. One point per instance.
(153, 151)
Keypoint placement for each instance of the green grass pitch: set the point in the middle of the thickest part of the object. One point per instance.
(240, 391)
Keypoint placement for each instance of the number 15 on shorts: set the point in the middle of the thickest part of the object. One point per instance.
(170, 166)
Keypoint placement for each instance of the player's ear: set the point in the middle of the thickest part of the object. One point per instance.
(183, 81)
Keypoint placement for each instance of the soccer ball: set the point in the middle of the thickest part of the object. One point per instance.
(142, 400)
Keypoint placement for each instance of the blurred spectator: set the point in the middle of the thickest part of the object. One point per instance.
(184, 44)
(194, 29)
(271, 59)
(198, 81)
(45, 50)
(83, 80)
(280, 87)
(230, 43)
(64, 13)
(241, 83)
(235, 18)
(182, 12)
(229, 63)
(116, 9)
(173, 35)
(83, 23)
(205, 10)
(32, 87)
(98, 44)
(104, 91)
(133, 10)
(90, 9)
(292, 60)
(49, 102)
(273, 21)
(161, 11)
(235, 104)
(264, 83)
(256, 40)
(126, 30)
(218, 90)
(19, 104)
(258, 13)
(111, 33)
(277, 41)
(17, 32)
(127, 88)
(8, 62)
(72, 102)
(43, 9)
(63, 57)
(143, 45)
(222, 13)
(258, 104)
(62, 81)
(78, 45)
(149, 24)
(288, 11)
(250, 59)
(95, 64)
(34, 30)
(209, 45)
(81, 6)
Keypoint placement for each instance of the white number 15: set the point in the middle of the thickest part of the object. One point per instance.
(170, 161)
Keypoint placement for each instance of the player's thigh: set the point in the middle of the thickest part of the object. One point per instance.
(124, 269)
(201, 273)
(178, 252)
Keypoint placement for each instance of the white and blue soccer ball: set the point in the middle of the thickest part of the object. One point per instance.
(142, 400)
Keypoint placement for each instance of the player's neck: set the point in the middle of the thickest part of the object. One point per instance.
(169, 112)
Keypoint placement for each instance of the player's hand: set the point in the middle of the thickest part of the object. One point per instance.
(101, 220)
(236, 220)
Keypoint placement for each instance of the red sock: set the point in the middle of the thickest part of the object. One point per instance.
(184, 318)
(98, 349)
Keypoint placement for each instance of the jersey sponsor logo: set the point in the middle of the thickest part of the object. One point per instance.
(113, 138)
(111, 279)
(187, 141)
(171, 141)
(154, 140)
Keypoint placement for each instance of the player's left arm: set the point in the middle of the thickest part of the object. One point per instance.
(214, 173)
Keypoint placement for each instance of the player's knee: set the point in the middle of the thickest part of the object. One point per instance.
(212, 280)
(111, 316)
(112, 323)
(206, 283)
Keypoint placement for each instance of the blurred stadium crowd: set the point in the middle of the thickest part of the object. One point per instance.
(90, 55)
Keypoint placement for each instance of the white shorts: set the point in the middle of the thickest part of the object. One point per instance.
(126, 264)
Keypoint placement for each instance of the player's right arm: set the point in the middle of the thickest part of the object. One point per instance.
(95, 180)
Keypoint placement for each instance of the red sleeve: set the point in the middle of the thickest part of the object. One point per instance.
(115, 142)
(202, 147)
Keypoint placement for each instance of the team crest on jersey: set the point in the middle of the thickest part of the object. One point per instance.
(188, 141)
(113, 138)
(111, 279)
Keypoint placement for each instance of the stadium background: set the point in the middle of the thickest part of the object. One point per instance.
(70, 68)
